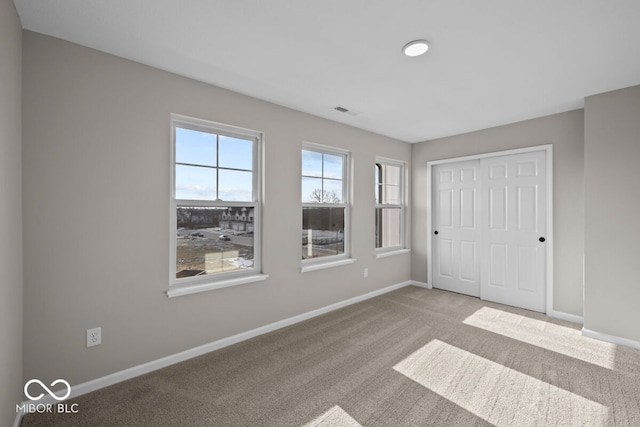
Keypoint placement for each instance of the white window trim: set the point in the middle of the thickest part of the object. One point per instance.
(179, 290)
(343, 258)
(190, 285)
(327, 264)
(392, 252)
(401, 248)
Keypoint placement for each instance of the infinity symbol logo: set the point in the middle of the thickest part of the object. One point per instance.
(52, 394)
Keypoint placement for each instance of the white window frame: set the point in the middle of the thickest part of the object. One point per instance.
(345, 257)
(401, 248)
(190, 285)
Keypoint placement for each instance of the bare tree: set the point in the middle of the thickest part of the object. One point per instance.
(324, 196)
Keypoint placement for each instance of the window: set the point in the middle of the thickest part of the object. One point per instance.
(215, 212)
(325, 206)
(389, 204)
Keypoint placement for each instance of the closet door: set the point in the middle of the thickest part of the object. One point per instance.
(455, 225)
(514, 214)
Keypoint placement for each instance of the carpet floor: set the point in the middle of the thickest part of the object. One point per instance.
(412, 357)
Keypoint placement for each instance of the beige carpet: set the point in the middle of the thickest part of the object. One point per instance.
(413, 357)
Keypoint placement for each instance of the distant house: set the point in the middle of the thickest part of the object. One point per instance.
(190, 217)
(237, 219)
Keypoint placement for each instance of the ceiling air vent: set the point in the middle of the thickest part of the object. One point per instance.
(345, 110)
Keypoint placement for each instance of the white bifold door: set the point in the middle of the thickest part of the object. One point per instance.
(489, 224)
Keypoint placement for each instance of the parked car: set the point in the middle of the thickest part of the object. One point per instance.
(224, 237)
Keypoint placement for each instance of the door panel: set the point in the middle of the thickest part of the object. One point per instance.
(498, 170)
(445, 264)
(468, 260)
(445, 208)
(497, 208)
(527, 168)
(455, 218)
(521, 259)
(498, 265)
(468, 208)
(468, 174)
(489, 215)
(527, 208)
(527, 258)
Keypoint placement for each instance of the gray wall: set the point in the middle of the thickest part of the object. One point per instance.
(565, 131)
(96, 214)
(612, 182)
(10, 213)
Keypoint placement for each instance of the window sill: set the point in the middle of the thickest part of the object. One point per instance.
(203, 287)
(392, 253)
(329, 264)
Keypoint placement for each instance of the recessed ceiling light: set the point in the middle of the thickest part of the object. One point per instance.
(416, 48)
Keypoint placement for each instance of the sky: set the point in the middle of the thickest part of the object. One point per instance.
(218, 167)
(213, 167)
(321, 171)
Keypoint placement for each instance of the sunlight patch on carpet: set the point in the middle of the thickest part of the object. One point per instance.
(495, 393)
(334, 417)
(556, 338)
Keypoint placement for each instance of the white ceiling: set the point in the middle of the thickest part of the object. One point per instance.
(491, 62)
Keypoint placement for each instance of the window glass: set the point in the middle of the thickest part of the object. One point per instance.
(195, 183)
(322, 231)
(195, 147)
(388, 227)
(214, 203)
(311, 163)
(389, 184)
(389, 212)
(391, 194)
(311, 190)
(332, 191)
(235, 185)
(213, 240)
(235, 153)
(332, 166)
(324, 228)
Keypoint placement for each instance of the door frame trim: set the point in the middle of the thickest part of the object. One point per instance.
(548, 150)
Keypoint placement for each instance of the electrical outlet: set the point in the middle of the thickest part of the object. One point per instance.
(94, 337)
(366, 272)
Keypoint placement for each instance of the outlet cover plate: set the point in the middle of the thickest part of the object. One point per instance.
(94, 337)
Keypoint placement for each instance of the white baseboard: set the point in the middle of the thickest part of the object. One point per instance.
(610, 338)
(117, 377)
(552, 313)
(18, 420)
(421, 284)
(566, 316)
